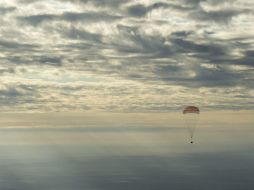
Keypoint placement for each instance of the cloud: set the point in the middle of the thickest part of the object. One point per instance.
(137, 10)
(69, 17)
(4, 44)
(218, 15)
(5, 10)
(121, 55)
(103, 3)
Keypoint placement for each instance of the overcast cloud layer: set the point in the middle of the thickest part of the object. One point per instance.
(126, 55)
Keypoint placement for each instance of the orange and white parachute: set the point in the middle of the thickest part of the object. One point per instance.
(191, 109)
(191, 114)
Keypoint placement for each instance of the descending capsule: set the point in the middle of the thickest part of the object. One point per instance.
(191, 115)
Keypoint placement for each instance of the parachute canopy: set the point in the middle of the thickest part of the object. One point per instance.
(191, 115)
(191, 109)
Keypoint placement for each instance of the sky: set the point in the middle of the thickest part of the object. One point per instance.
(126, 55)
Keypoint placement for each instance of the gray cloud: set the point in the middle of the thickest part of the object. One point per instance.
(137, 10)
(140, 10)
(4, 44)
(5, 10)
(37, 19)
(77, 34)
(103, 3)
(49, 60)
(218, 16)
(70, 17)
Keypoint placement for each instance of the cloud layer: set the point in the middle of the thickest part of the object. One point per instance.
(135, 56)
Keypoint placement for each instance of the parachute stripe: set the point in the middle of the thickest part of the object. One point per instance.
(191, 109)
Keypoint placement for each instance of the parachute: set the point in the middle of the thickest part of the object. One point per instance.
(191, 114)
